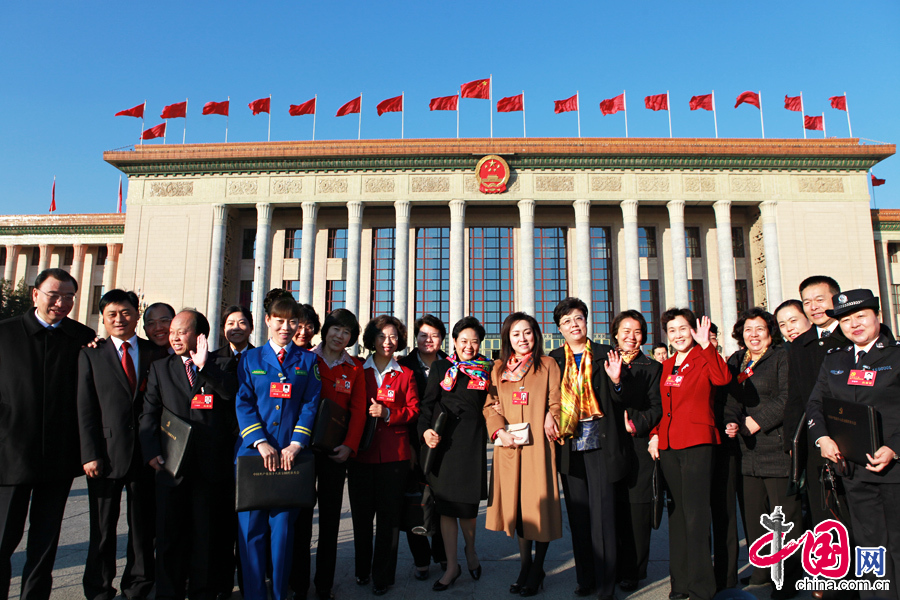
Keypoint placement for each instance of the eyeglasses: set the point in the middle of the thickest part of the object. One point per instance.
(392, 338)
(55, 298)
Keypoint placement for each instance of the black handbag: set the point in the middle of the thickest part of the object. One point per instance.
(429, 454)
(368, 434)
(261, 489)
(419, 516)
(658, 501)
(330, 428)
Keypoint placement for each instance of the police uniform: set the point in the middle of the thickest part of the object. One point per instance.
(263, 416)
(873, 497)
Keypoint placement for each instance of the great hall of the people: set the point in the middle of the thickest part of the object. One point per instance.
(403, 227)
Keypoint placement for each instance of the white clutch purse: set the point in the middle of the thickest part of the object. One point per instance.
(521, 433)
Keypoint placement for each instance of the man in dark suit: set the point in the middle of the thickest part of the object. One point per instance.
(193, 520)
(39, 450)
(111, 381)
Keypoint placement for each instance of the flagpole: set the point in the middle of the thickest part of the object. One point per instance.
(761, 123)
(578, 111)
(142, 122)
(715, 121)
(119, 204)
(874, 202)
(316, 98)
(269, 134)
(824, 134)
(524, 134)
(402, 96)
(359, 133)
(184, 133)
(165, 130)
(625, 108)
(847, 109)
(669, 110)
(491, 102)
(458, 98)
(802, 116)
(226, 119)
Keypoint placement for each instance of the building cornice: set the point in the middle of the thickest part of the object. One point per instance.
(75, 225)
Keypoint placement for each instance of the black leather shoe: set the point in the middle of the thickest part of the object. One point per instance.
(583, 591)
(421, 574)
(362, 580)
(440, 587)
(628, 585)
(535, 582)
(677, 596)
(380, 590)
(324, 594)
(516, 588)
(475, 573)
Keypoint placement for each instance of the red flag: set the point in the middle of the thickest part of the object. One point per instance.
(512, 103)
(216, 108)
(174, 111)
(749, 98)
(839, 102)
(260, 106)
(137, 111)
(705, 102)
(351, 107)
(611, 106)
(875, 180)
(657, 102)
(480, 88)
(307, 108)
(567, 105)
(444, 103)
(815, 123)
(53, 196)
(154, 132)
(119, 205)
(794, 103)
(394, 104)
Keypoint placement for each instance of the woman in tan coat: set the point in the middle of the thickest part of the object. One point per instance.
(525, 496)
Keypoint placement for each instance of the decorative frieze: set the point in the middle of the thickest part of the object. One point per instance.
(429, 184)
(242, 187)
(606, 183)
(697, 184)
(378, 185)
(164, 189)
(555, 183)
(470, 184)
(287, 186)
(746, 184)
(335, 185)
(653, 183)
(822, 185)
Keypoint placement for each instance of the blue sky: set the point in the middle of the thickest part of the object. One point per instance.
(68, 67)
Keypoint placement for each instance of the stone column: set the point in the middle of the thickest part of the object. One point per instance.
(262, 268)
(679, 254)
(77, 271)
(632, 255)
(726, 274)
(525, 284)
(457, 260)
(12, 257)
(44, 260)
(401, 261)
(354, 233)
(770, 246)
(308, 251)
(216, 273)
(583, 281)
(111, 266)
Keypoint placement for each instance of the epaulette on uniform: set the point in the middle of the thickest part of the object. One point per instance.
(838, 349)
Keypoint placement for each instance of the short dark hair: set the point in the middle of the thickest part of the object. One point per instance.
(309, 315)
(284, 307)
(156, 305)
(201, 325)
(431, 321)
(506, 346)
(58, 274)
(674, 313)
(757, 312)
(661, 345)
(714, 329)
(833, 286)
(792, 302)
(629, 314)
(342, 317)
(567, 305)
(374, 327)
(468, 323)
(235, 308)
(119, 297)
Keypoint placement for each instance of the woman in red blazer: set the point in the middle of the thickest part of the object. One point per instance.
(377, 476)
(683, 443)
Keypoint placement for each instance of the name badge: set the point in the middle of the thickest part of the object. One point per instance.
(861, 377)
(745, 375)
(477, 384)
(279, 390)
(385, 395)
(520, 397)
(674, 380)
(342, 386)
(202, 401)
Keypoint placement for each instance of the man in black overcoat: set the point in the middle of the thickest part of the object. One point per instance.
(39, 450)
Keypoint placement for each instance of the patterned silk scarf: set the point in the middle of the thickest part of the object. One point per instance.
(578, 400)
(516, 369)
(628, 356)
(477, 368)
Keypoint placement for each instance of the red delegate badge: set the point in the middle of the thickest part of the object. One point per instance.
(861, 377)
(342, 386)
(745, 375)
(477, 384)
(202, 401)
(279, 390)
(520, 398)
(385, 395)
(674, 380)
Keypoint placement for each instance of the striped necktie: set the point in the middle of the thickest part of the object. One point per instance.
(189, 368)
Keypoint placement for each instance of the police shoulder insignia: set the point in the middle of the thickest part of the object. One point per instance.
(258, 372)
(838, 372)
(830, 350)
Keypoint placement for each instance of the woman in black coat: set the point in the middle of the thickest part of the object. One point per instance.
(754, 413)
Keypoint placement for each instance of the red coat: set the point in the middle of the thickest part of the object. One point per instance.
(687, 410)
(391, 441)
(356, 401)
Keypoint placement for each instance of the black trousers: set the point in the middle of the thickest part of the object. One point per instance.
(688, 473)
(193, 537)
(47, 505)
(329, 497)
(376, 491)
(725, 493)
(875, 513)
(104, 500)
(633, 528)
(590, 503)
(425, 549)
(761, 496)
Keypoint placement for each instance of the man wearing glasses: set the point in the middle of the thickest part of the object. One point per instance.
(39, 448)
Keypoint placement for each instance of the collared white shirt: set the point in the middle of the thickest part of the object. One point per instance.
(379, 375)
(343, 358)
(132, 350)
(276, 347)
(45, 323)
(830, 329)
(237, 352)
(866, 348)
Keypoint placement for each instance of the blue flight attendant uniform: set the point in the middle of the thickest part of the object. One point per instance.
(280, 422)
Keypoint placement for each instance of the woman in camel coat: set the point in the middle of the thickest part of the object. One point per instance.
(525, 495)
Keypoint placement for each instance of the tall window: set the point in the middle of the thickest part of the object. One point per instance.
(692, 242)
(95, 303)
(650, 310)
(742, 295)
(248, 245)
(491, 274)
(894, 251)
(695, 297)
(102, 253)
(36, 256)
(292, 286)
(433, 272)
(383, 271)
(895, 300)
(601, 279)
(550, 275)
(68, 256)
(737, 242)
(293, 241)
(245, 296)
(336, 289)
(647, 242)
(3, 257)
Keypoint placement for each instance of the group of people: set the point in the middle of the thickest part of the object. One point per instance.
(599, 419)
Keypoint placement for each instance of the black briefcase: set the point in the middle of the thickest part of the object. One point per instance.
(658, 501)
(330, 428)
(261, 489)
(797, 480)
(429, 454)
(854, 427)
(174, 437)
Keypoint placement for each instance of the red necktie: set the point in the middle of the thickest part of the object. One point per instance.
(128, 366)
(189, 368)
(281, 354)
